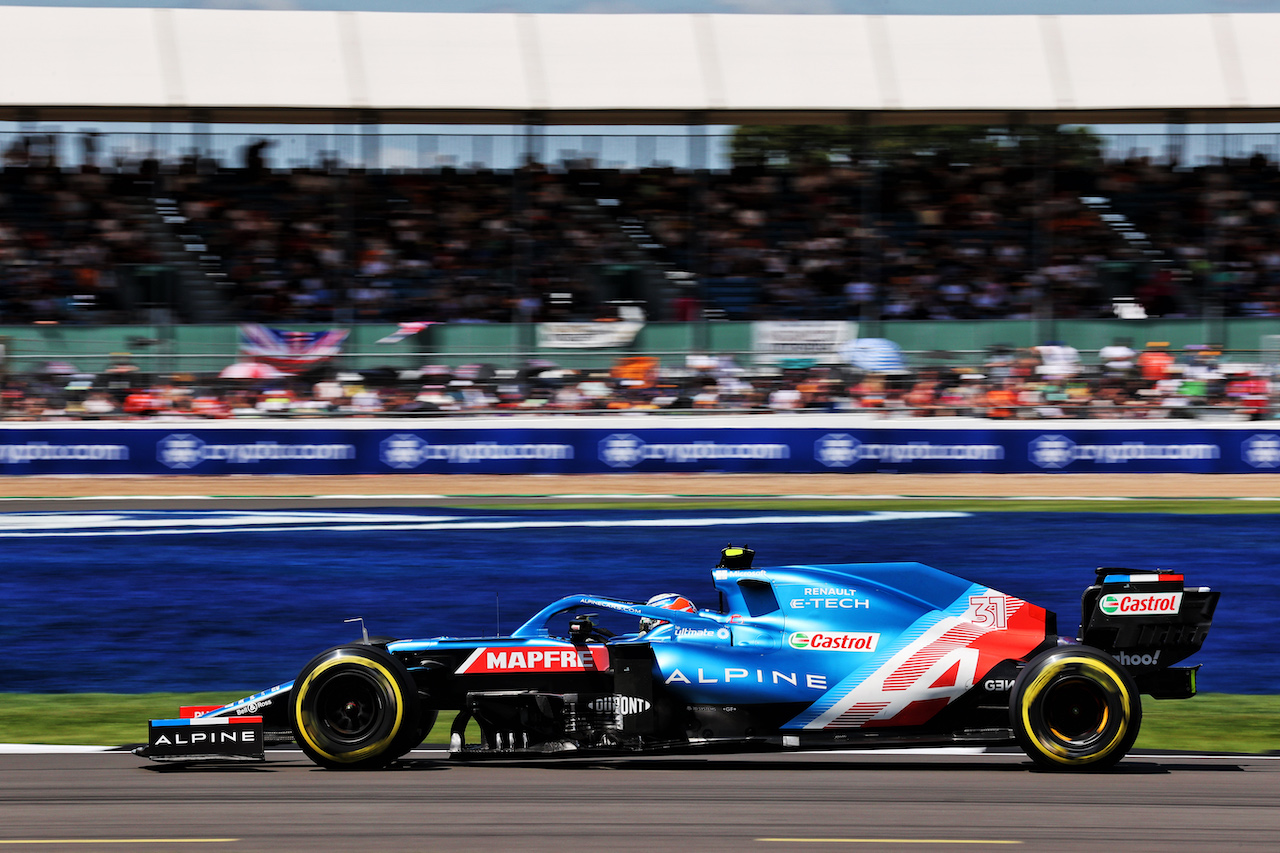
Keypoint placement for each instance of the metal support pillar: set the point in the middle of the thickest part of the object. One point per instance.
(698, 168)
(371, 140)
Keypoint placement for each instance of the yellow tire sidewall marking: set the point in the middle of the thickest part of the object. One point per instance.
(306, 722)
(1106, 676)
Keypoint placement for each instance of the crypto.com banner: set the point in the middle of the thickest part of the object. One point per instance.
(591, 446)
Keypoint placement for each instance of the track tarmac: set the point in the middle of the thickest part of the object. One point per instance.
(753, 804)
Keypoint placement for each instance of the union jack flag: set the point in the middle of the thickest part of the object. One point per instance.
(290, 351)
(403, 331)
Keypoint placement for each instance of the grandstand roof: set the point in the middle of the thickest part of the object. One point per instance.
(204, 65)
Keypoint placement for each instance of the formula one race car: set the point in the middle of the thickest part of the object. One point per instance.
(796, 657)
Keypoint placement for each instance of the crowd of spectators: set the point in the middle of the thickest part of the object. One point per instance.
(1053, 380)
(65, 237)
(921, 237)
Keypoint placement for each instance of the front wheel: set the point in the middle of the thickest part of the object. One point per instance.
(355, 707)
(1075, 708)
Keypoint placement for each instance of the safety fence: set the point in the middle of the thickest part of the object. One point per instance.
(787, 444)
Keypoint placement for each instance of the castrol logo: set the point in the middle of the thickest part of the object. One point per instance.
(1141, 604)
(834, 641)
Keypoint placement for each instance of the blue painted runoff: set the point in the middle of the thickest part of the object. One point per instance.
(133, 602)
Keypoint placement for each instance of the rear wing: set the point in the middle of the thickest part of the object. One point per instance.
(1148, 621)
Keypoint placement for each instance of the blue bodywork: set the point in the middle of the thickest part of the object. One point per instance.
(799, 656)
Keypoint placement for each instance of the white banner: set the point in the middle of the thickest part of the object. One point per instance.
(587, 335)
(820, 340)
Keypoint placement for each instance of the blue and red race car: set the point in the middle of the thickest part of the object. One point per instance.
(795, 657)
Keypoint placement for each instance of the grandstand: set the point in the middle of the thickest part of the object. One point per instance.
(157, 227)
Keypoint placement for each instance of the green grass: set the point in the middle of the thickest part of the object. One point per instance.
(1210, 505)
(93, 718)
(1179, 506)
(1213, 722)
(114, 719)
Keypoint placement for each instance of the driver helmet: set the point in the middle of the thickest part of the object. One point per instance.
(667, 601)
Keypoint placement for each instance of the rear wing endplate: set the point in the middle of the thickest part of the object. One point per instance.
(1148, 621)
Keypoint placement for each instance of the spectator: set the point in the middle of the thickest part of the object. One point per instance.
(1118, 358)
(1155, 361)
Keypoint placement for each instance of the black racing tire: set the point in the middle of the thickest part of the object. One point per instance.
(1075, 708)
(355, 708)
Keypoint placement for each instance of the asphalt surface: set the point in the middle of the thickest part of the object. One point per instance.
(764, 803)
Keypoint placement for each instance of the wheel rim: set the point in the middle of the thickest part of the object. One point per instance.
(1076, 711)
(349, 706)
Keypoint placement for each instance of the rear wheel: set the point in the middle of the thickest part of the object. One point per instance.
(355, 707)
(1075, 708)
